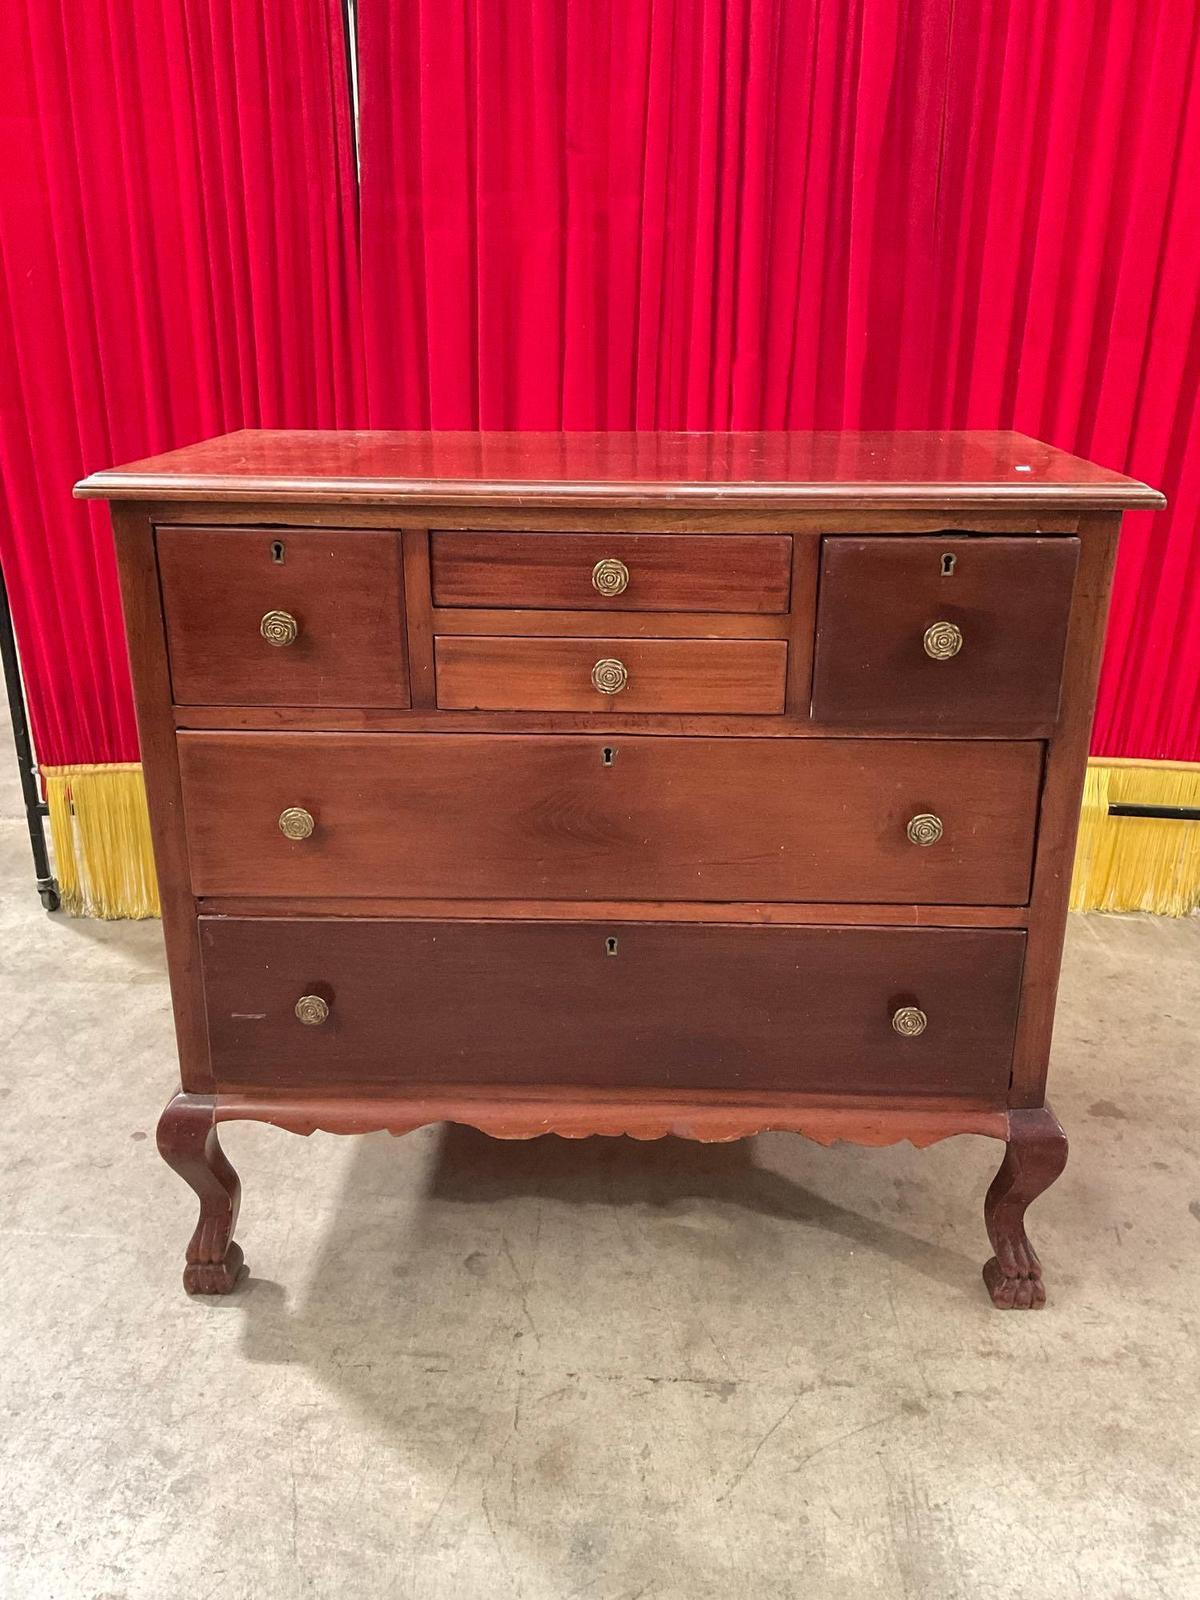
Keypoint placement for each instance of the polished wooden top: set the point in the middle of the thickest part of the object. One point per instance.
(975, 470)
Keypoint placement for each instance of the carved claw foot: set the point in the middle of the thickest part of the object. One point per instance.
(1035, 1155)
(187, 1142)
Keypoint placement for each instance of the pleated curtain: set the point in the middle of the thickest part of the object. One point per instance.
(809, 213)
(178, 257)
(656, 213)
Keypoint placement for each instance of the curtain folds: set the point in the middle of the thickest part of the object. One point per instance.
(178, 257)
(808, 213)
(617, 213)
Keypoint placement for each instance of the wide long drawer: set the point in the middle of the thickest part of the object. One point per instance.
(817, 1009)
(489, 816)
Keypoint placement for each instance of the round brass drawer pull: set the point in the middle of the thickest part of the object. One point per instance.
(609, 676)
(312, 1010)
(279, 628)
(909, 1021)
(610, 576)
(942, 640)
(924, 828)
(296, 823)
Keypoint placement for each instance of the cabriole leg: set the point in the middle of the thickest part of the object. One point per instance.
(1035, 1155)
(187, 1141)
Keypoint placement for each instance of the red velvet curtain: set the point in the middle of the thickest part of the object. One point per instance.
(799, 213)
(178, 257)
(676, 213)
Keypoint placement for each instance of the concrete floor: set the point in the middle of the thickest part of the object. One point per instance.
(601, 1370)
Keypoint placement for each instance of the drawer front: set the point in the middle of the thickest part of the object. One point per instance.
(942, 633)
(284, 617)
(636, 1004)
(604, 675)
(491, 816)
(621, 571)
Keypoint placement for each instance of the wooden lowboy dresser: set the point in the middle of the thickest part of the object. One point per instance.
(616, 784)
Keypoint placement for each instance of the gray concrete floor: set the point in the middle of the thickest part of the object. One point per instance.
(601, 1370)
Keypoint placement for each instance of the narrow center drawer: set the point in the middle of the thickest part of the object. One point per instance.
(637, 817)
(694, 675)
(840, 1010)
(621, 571)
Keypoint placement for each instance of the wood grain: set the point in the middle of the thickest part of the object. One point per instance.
(489, 816)
(469, 866)
(615, 624)
(1034, 1156)
(1010, 598)
(418, 616)
(711, 1117)
(945, 469)
(344, 592)
(1058, 821)
(613, 1004)
(684, 675)
(672, 724)
(138, 571)
(715, 517)
(783, 914)
(734, 572)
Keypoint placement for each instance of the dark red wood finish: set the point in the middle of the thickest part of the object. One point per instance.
(943, 469)
(468, 867)
(1010, 600)
(344, 590)
(540, 674)
(624, 1005)
(742, 572)
(491, 816)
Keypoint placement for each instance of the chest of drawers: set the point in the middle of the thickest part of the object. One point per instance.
(644, 784)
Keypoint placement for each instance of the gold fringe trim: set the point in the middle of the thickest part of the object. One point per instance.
(100, 830)
(1137, 863)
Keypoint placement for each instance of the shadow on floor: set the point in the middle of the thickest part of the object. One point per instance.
(393, 1276)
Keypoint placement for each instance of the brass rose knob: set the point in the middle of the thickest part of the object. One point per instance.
(312, 1010)
(609, 676)
(942, 640)
(279, 628)
(296, 823)
(909, 1021)
(924, 828)
(610, 576)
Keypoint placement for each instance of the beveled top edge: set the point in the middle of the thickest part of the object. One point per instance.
(969, 469)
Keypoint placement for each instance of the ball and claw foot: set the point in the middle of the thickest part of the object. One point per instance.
(1034, 1156)
(215, 1277)
(187, 1142)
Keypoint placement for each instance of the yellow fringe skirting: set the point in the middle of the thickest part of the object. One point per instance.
(105, 863)
(100, 830)
(1137, 863)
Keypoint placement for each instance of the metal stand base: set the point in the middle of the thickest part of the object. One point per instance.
(36, 810)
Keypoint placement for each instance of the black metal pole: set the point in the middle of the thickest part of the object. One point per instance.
(1165, 813)
(35, 809)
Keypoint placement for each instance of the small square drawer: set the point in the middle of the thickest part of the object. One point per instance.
(960, 633)
(284, 617)
(618, 571)
(611, 675)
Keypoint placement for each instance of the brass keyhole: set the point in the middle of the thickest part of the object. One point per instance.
(610, 946)
(608, 755)
(948, 561)
(277, 552)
